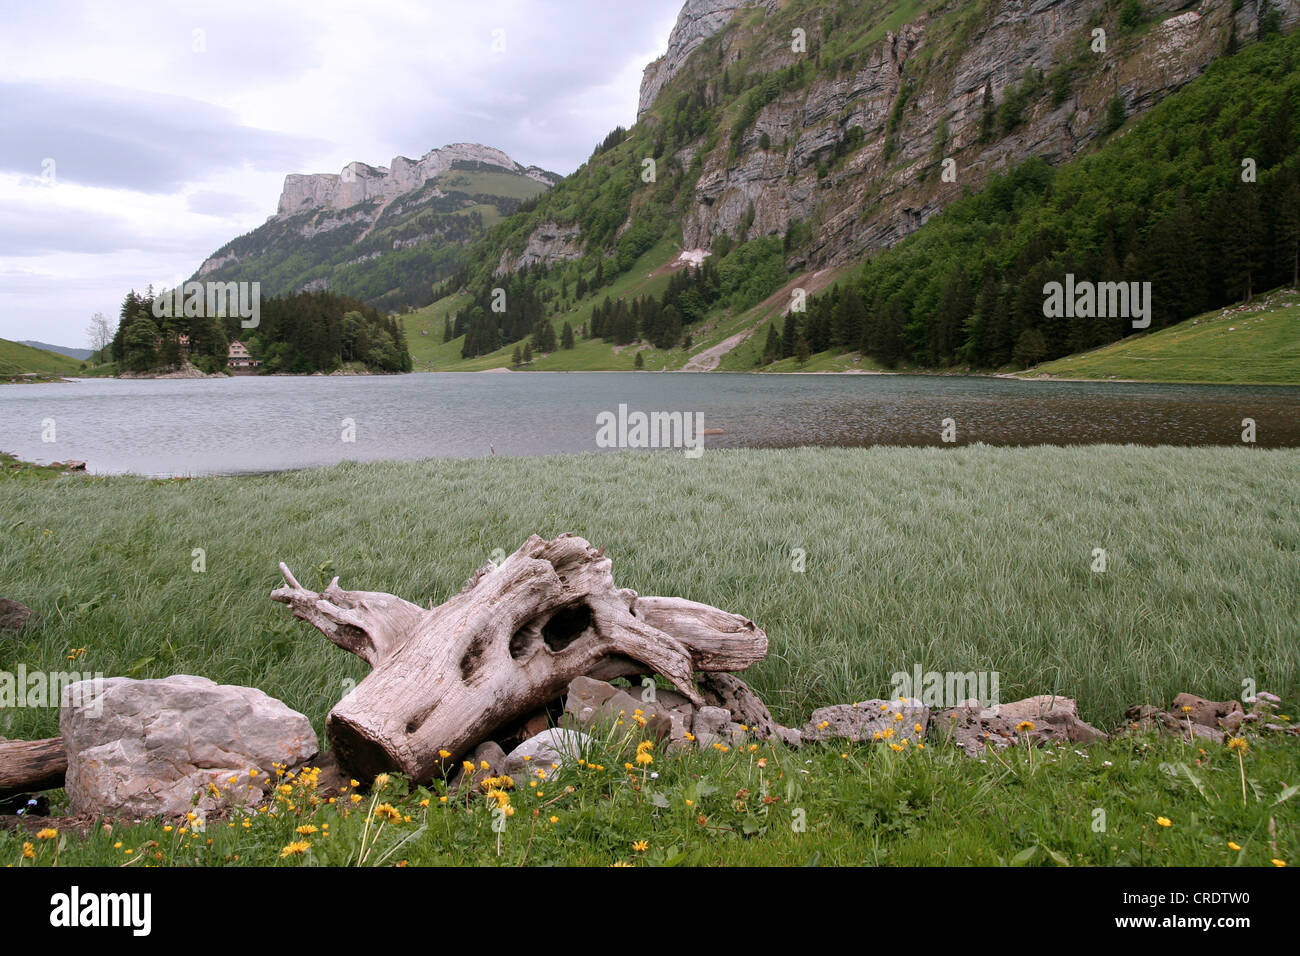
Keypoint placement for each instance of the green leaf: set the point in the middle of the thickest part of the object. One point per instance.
(1287, 794)
(659, 800)
(1026, 857)
(140, 665)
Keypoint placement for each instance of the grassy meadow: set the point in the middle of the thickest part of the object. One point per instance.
(960, 559)
(1256, 344)
(18, 359)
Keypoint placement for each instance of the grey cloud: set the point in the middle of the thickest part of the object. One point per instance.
(106, 136)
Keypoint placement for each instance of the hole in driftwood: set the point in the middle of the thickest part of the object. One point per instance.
(566, 626)
(473, 655)
(524, 641)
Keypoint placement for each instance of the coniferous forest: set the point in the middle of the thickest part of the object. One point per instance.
(298, 334)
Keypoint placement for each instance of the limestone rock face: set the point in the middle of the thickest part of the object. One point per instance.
(698, 20)
(889, 187)
(359, 182)
(144, 748)
(548, 243)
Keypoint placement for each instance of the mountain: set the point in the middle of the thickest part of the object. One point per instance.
(383, 234)
(80, 354)
(795, 142)
(843, 143)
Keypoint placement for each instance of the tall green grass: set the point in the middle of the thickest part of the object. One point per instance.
(965, 559)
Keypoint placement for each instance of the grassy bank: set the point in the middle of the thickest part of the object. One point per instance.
(18, 359)
(965, 559)
(1257, 344)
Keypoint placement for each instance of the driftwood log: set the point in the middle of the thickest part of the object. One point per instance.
(443, 679)
(30, 765)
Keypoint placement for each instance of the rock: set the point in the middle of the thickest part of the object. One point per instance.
(488, 752)
(1222, 715)
(361, 182)
(697, 21)
(144, 748)
(895, 721)
(712, 720)
(669, 717)
(548, 243)
(1055, 718)
(974, 728)
(554, 746)
(13, 615)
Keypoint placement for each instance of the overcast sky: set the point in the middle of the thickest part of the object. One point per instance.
(137, 138)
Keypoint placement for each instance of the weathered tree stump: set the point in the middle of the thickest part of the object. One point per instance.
(444, 679)
(31, 765)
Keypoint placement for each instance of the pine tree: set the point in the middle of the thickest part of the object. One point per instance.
(772, 349)
(789, 334)
(566, 338)
(801, 352)
(640, 360)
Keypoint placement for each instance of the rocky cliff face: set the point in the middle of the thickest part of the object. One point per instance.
(889, 187)
(386, 234)
(360, 182)
(698, 20)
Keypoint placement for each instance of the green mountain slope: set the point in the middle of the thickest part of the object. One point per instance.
(388, 249)
(18, 359)
(1257, 344)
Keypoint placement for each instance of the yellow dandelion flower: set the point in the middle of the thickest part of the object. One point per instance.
(424, 802)
(1278, 862)
(49, 833)
(644, 759)
(296, 848)
(1233, 846)
(29, 851)
(307, 830)
(355, 798)
(1238, 743)
(1164, 821)
(896, 748)
(444, 754)
(382, 781)
(386, 811)
(1186, 709)
(690, 803)
(442, 799)
(640, 846)
(917, 728)
(555, 819)
(690, 736)
(1025, 726)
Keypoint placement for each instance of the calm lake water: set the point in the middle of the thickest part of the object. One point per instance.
(258, 424)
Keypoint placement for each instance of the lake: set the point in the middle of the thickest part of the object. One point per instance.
(272, 423)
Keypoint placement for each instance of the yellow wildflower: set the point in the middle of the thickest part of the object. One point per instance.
(296, 848)
(1164, 821)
